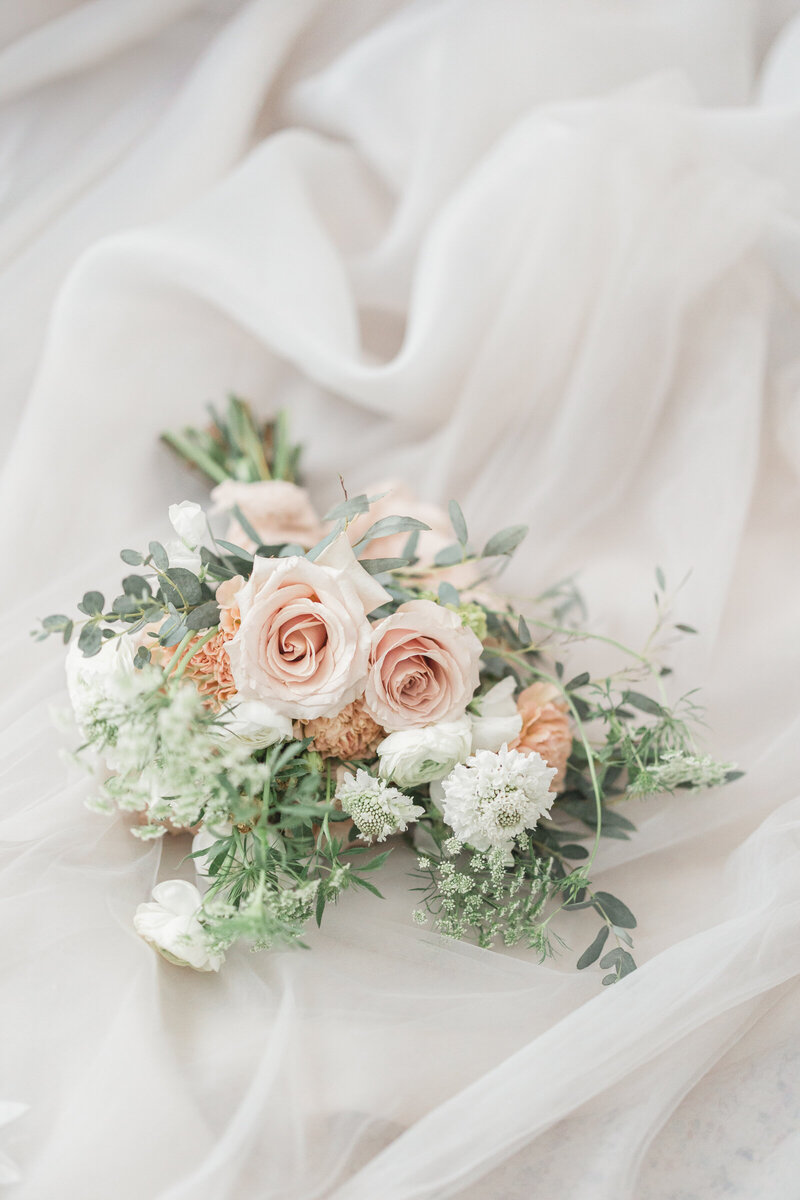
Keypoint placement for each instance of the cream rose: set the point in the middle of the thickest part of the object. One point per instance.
(279, 512)
(423, 667)
(304, 640)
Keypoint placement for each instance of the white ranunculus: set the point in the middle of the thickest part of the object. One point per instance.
(413, 756)
(256, 724)
(169, 923)
(497, 721)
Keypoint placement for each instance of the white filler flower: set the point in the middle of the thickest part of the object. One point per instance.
(169, 923)
(491, 799)
(413, 756)
(496, 721)
(376, 809)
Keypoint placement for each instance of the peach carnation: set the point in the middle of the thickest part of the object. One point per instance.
(210, 669)
(352, 733)
(545, 728)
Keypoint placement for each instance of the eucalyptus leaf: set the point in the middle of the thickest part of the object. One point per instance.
(92, 604)
(644, 703)
(617, 912)
(348, 509)
(592, 953)
(375, 566)
(90, 640)
(204, 617)
(458, 522)
(181, 587)
(159, 556)
(449, 555)
(132, 557)
(448, 594)
(505, 542)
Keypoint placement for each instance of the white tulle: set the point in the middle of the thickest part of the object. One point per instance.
(541, 256)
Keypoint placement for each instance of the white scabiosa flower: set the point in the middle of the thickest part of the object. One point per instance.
(491, 799)
(414, 756)
(377, 810)
(169, 923)
(255, 724)
(496, 721)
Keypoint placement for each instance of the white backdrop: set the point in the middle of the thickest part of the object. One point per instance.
(540, 254)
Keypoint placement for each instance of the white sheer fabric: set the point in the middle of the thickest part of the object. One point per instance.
(542, 256)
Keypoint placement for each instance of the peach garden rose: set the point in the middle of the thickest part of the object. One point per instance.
(279, 511)
(423, 667)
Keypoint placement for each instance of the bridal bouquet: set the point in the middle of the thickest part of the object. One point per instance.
(301, 690)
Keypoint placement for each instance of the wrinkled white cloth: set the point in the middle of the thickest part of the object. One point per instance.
(541, 256)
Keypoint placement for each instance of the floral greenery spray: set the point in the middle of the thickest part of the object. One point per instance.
(302, 689)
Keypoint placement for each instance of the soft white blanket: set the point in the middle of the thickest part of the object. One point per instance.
(540, 254)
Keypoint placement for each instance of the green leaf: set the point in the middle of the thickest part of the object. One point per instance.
(136, 585)
(387, 526)
(236, 551)
(685, 628)
(159, 555)
(617, 912)
(92, 604)
(578, 681)
(621, 960)
(245, 524)
(125, 606)
(573, 850)
(448, 594)
(348, 509)
(609, 979)
(376, 566)
(67, 633)
(643, 703)
(90, 640)
(141, 657)
(732, 776)
(181, 588)
(523, 633)
(458, 522)
(204, 617)
(660, 580)
(320, 905)
(55, 623)
(410, 548)
(132, 557)
(449, 555)
(505, 542)
(592, 953)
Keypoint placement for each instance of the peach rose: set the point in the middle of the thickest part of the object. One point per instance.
(423, 667)
(229, 616)
(304, 639)
(279, 512)
(545, 728)
(352, 733)
(400, 501)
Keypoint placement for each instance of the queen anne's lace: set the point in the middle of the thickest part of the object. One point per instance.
(377, 809)
(492, 798)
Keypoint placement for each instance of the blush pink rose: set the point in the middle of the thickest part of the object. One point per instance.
(423, 667)
(279, 512)
(303, 643)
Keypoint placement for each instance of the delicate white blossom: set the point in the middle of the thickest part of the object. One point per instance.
(496, 721)
(677, 768)
(170, 924)
(376, 809)
(413, 756)
(492, 798)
